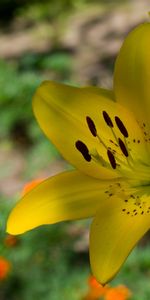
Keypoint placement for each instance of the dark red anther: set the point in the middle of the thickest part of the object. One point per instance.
(91, 126)
(111, 159)
(84, 150)
(107, 119)
(121, 127)
(123, 147)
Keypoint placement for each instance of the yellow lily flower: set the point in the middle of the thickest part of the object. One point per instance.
(106, 136)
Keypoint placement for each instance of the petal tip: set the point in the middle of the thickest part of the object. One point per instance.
(10, 228)
(14, 225)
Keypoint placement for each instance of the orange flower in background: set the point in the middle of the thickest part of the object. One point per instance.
(120, 292)
(30, 185)
(93, 283)
(5, 267)
(97, 291)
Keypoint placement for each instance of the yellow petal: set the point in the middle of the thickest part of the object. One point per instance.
(101, 92)
(132, 74)
(61, 111)
(114, 233)
(67, 196)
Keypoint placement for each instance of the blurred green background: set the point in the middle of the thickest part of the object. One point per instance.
(72, 41)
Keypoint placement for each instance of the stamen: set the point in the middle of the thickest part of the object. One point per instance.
(121, 127)
(99, 159)
(110, 124)
(111, 159)
(91, 126)
(84, 150)
(107, 119)
(123, 147)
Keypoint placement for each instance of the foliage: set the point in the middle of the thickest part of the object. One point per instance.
(15, 97)
(52, 9)
(18, 82)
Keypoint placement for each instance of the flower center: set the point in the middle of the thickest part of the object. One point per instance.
(119, 154)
